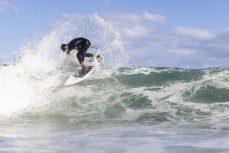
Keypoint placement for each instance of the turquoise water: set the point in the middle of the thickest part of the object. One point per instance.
(131, 110)
(119, 109)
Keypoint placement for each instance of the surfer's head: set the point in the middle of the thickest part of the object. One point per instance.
(64, 47)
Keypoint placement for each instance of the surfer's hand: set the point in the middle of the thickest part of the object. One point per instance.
(67, 52)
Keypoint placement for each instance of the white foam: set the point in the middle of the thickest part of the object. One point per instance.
(28, 84)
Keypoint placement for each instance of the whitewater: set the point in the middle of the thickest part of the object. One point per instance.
(119, 109)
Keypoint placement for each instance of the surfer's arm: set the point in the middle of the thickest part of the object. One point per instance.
(67, 51)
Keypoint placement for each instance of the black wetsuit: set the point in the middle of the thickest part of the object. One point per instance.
(80, 44)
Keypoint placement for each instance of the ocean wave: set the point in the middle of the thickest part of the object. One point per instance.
(32, 87)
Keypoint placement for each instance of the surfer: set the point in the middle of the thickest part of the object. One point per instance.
(80, 44)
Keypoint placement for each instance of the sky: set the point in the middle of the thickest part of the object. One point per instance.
(155, 33)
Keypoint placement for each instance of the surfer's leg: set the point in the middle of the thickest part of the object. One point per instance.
(88, 55)
(85, 46)
(80, 56)
(88, 44)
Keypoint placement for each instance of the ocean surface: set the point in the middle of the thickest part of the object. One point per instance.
(118, 109)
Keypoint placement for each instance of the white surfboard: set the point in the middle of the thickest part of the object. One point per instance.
(81, 75)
